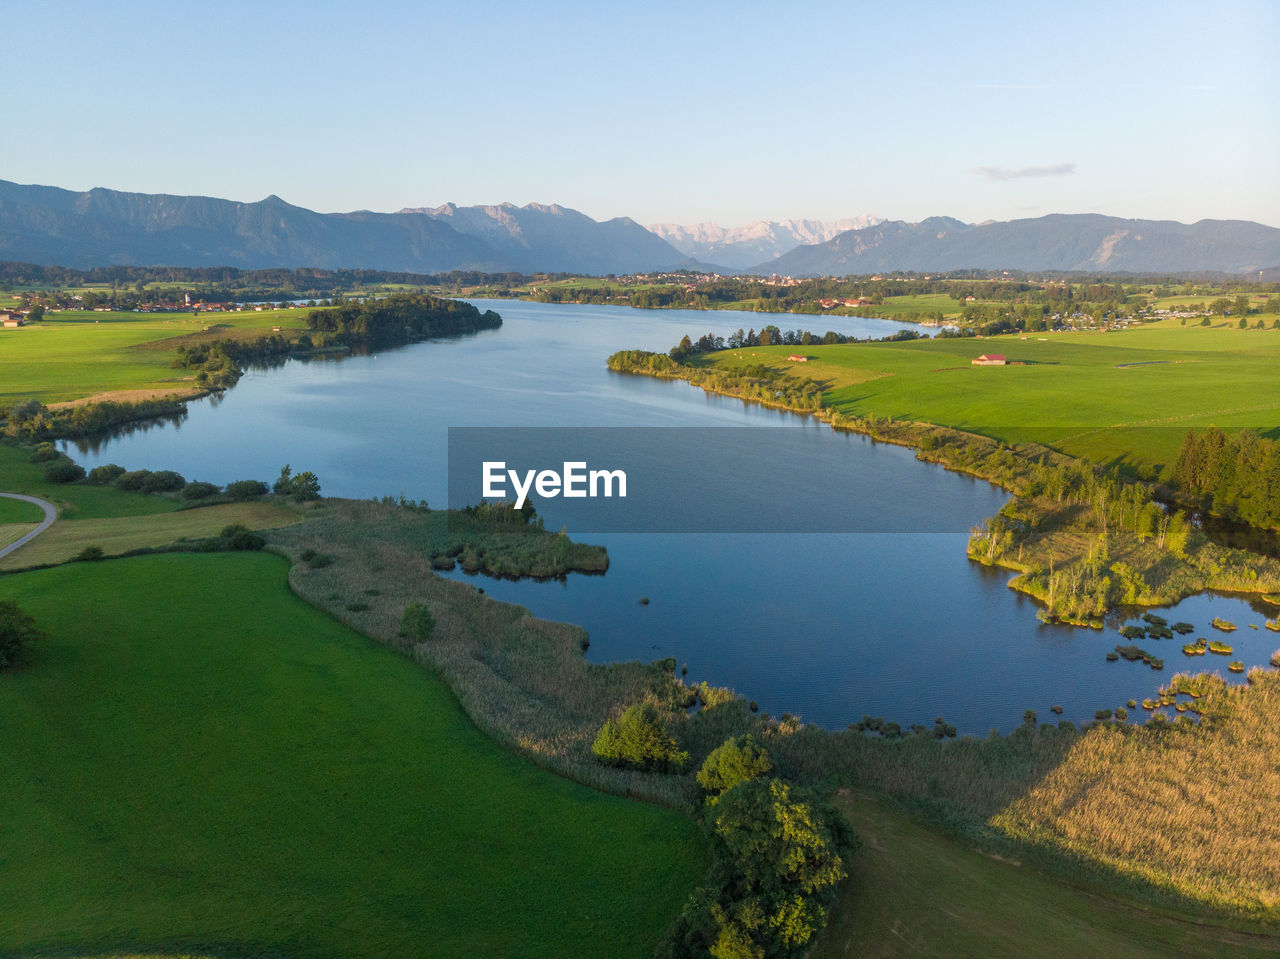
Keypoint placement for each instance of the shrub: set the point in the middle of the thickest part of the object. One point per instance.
(105, 475)
(319, 560)
(45, 453)
(246, 489)
(638, 740)
(64, 471)
(133, 480)
(163, 481)
(417, 622)
(90, 554)
(198, 489)
(732, 762)
(357, 607)
(240, 538)
(17, 631)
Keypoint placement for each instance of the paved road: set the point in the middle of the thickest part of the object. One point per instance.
(50, 514)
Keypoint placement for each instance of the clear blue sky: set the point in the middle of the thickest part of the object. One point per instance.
(665, 112)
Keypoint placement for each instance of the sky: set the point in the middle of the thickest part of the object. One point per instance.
(663, 112)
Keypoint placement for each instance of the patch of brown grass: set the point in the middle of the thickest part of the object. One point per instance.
(120, 534)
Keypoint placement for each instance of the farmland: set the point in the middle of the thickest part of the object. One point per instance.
(1122, 396)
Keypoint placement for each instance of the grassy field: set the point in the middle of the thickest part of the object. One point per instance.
(74, 354)
(74, 500)
(19, 511)
(909, 307)
(120, 534)
(913, 892)
(1128, 396)
(229, 771)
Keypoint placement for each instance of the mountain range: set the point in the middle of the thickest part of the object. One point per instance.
(1069, 242)
(47, 225)
(745, 246)
(99, 227)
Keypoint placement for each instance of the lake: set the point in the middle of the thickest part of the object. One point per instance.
(830, 626)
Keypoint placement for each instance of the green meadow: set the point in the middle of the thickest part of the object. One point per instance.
(195, 761)
(74, 500)
(74, 354)
(1126, 396)
(19, 511)
(913, 892)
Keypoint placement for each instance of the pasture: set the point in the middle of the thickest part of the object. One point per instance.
(75, 354)
(1126, 396)
(914, 892)
(230, 772)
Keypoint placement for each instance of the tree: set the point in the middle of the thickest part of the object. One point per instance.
(417, 622)
(18, 630)
(639, 740)
(284, 485)
(306, 486)
(733, 762)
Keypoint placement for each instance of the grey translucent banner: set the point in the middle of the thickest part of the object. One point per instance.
(802, 479)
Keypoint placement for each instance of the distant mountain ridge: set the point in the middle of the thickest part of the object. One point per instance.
(557, 238)
(1068, 242)
(99, 227)
(743, 246)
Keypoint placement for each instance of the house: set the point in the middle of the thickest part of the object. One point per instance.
(991, 359)
(11, 320)
(797, 358)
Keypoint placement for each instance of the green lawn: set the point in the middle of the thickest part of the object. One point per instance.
(1127, 395)
(227, 771)
(19, 511)
(78, 500)
(73, 354)
(914, 893)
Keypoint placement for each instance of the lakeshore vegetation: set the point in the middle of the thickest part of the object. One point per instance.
(1156, 813)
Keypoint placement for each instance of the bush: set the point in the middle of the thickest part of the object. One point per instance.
(638, 740)
(64, 471)
(240, 538)
(45, 453)
(163, 481)
(90, 554)
(17, 631)
(359, 606)
(105, 475)
(198, 489)
(734, 761)
(417, 622)
(246, 489)
(133, 481)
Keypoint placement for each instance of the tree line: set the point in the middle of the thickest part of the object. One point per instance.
(1237, 477)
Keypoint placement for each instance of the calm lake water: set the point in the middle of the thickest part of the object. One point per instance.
(828, 626)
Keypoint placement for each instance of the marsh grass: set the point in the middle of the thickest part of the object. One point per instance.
(1113, 806)
(522, 680)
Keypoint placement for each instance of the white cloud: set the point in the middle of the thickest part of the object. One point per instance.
(1004, 173)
